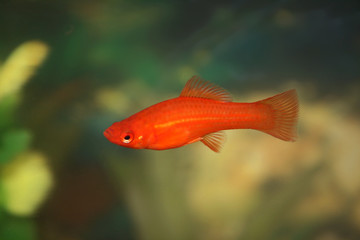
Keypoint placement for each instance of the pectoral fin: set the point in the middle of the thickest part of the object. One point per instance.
(214, 140)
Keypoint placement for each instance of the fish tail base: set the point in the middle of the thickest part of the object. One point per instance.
(285, 108)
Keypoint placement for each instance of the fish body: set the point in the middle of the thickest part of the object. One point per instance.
(200, 113)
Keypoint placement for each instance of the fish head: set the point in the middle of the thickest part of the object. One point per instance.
(126, 134)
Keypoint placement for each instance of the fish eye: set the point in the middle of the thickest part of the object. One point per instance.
(127, 137)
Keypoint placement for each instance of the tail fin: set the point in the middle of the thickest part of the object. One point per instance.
(285, 109)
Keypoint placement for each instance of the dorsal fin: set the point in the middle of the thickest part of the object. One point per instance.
(214, 140)
(197, 87)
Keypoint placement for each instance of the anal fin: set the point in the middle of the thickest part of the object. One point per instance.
(214, 140)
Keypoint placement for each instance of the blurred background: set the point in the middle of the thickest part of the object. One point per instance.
(69, 69)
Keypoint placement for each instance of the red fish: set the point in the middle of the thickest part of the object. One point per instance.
(200, 113)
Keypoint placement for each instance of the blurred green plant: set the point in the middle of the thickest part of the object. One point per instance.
(24, 176)
(7, 108)
(13, 142)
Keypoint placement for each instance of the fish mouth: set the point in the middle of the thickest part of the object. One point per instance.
(108, 133)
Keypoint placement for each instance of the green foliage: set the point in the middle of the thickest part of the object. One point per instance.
(13, 142)
(2, 198)
(7, 107)
(17, 229)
